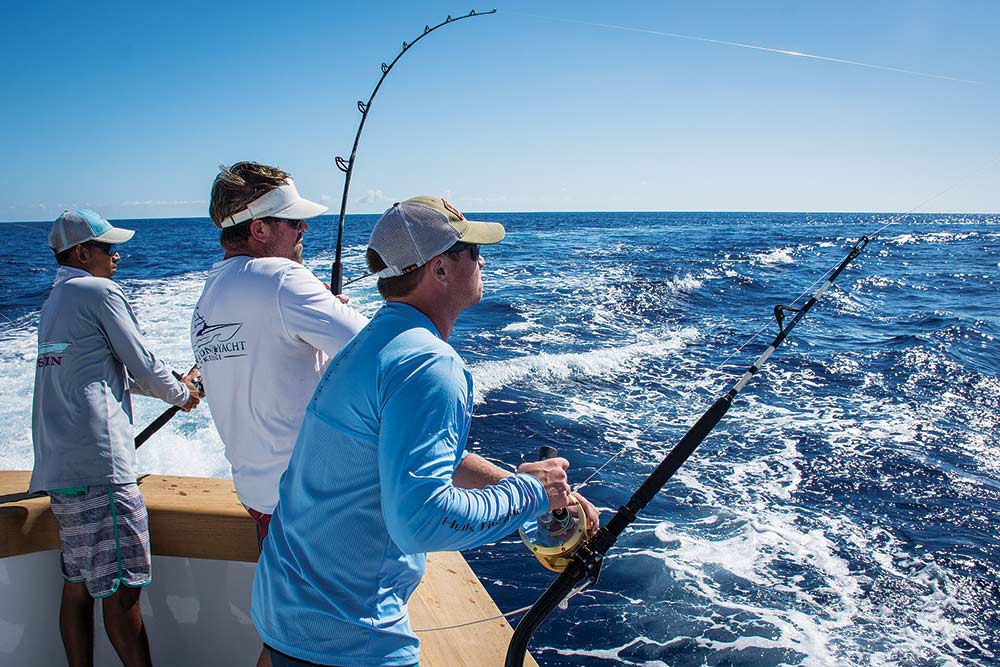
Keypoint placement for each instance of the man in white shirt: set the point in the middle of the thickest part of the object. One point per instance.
(264, 328)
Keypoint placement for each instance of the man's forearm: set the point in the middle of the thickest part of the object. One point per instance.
(475, 472)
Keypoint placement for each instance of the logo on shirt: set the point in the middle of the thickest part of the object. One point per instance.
(51, 354)
(213, 342)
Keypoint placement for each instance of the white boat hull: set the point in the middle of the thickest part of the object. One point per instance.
(197, 612)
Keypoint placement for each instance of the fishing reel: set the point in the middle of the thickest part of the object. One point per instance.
(555, 535)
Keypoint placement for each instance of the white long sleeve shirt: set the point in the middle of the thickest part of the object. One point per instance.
(263, 332)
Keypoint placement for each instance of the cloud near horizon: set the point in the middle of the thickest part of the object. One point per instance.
(371, 197)
(162, 202)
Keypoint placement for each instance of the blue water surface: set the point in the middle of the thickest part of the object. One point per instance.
(843, 513)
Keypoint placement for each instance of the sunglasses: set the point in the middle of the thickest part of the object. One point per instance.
(461, 247)
(110, 248)
(297, 225)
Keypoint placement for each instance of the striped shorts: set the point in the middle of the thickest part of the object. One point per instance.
(105, 537)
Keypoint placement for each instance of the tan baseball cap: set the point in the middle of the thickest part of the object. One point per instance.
(412, 232)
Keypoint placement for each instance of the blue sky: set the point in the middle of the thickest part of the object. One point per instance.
(127, 108)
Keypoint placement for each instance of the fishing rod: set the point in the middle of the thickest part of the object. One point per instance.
(584, 565)
(167, 414)
(347, 166)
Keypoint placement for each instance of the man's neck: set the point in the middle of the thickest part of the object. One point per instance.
(252, 250)
(443, 319)
(240, 252)
(73, 270)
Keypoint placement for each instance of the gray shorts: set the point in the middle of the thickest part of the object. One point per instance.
(105, 537)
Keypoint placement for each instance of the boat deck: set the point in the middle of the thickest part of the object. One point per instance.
(201, 518)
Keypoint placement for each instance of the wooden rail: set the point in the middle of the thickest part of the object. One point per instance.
(197, 517)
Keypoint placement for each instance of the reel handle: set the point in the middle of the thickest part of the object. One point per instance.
(555, 535)
(545, 453)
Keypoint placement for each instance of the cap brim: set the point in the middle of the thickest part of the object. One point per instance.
(483, 233)
(302, 209)
(115, 235)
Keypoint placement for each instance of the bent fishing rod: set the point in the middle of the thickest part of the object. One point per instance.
(347, 166)
(584, 565)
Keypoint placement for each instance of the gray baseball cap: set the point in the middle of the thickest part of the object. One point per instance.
(76, 226)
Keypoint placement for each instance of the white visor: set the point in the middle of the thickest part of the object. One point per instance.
(282, 202)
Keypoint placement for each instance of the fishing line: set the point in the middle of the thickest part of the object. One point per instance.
(585, 563)
(361, 277)
(476, 622)
(858, 247)
(563, 605)
(634, 441)
(34, 229)
(785, 52)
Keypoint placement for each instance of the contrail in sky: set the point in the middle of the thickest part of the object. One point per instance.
(752, 46)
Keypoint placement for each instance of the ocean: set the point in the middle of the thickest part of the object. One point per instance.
(843, 513)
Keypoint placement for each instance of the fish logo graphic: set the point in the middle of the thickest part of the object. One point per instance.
(214, 342)
(210, 333)
(53, 348)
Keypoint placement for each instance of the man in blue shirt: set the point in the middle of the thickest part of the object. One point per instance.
(379, 475)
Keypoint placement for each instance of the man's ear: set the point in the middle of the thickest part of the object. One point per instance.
(258, 230)
(82, 253)
(438, 268)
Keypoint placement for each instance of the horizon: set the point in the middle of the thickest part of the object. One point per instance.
(719, 107)
(477, 213)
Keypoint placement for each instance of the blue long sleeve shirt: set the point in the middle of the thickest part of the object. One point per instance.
(368, 492)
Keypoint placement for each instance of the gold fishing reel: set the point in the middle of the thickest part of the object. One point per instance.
(555, 536)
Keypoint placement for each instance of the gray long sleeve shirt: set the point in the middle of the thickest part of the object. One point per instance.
(90, 351)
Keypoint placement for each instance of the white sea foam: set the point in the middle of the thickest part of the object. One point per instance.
(188, 444)
(752, 529)
(774, 257)
(18, 347)
(687, 283)
(931, 237)
(845, 301)
(517, 327)
(545, 368)
(615, 653)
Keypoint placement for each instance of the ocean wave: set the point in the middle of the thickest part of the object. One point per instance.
(746, 548)
(545, 368)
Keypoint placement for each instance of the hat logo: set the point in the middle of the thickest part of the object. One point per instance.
(452, 209)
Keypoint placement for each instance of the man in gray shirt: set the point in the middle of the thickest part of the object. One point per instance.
(91, 357)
